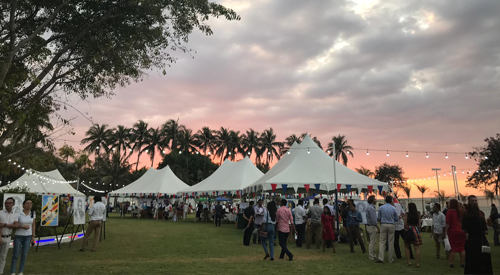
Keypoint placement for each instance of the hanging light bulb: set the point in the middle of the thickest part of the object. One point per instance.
(485, 157)
(97, 147)
(10, 160)
(310, 151)
(197, 152)
(163, 151)
(180, 152)
(426, 155)
(466, 156)
(209, 153)
(367, 153)
(463, 171)
(130, 149)
(147, 150)
(387, 152)
(270, 152)
(288, 152)
(446, 155)
(328, 151)
(248, 153)
(229, 153)
(407, 154)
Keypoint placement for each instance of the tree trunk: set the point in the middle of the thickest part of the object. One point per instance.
(137, 164)
(423, 208)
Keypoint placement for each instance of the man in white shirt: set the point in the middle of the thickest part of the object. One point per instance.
(438, 226)
(300, 223)
(96, 214)
(8, 221)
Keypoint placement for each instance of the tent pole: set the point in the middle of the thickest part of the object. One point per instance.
(157, 206)
(336, 187)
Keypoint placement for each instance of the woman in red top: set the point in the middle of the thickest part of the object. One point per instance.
(455, 233)
(328, 225)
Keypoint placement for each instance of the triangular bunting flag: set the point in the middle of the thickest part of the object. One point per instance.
(273, 186)
(317, 185)
(370, 189)
(306, 186)
(284, 186)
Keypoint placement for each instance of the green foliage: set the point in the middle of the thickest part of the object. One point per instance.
(390, 174)
(263, 167)
(88, 48)
(200, 167)
(342, 149)
(488, 162)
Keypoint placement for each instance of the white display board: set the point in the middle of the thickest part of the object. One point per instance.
(361, 208)
(18, 198)
(79, 210)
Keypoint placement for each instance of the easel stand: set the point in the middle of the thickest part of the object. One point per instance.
(74, 234)
(103, 228)
(64, 231)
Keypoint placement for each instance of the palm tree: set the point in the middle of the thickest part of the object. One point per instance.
(422, 189)
(342, 149)
(66, 151)
(35, 129)
(365, 171)
(187, 144)
(235, 145)
(205, 139)
(172, 130)
(98, 137)
(116, 170)
(121, 139)
(223, 143)
(250, 142)
(154, 139)
(139, 137)
(490, 195)
(441, 195)
(269, 145)
(289, 141)
(407, 189)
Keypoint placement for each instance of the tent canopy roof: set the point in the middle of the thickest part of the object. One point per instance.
(231, 176)
(309, 164)
(154, 181)
(43, 183)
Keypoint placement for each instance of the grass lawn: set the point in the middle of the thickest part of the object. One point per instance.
(157, 247)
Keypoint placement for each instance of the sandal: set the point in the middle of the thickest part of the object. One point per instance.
(408, 264)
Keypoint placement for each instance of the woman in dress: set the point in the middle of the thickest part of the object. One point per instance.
(412, 233)
(328, 225)
(455, 233)
(476, 262)
(268, 224)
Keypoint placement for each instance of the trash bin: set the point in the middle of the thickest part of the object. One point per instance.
(242, 223)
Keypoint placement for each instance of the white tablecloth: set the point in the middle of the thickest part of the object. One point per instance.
(426, 222)
(231, 217)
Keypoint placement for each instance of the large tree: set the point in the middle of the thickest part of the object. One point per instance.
(250, 142)
(153, 143)
(98, 138)
(88, 48)
(139, 138)
(270, 147)
(342, 148)
(120, 139)
(392, 174)
(66, 152)
(488, 162)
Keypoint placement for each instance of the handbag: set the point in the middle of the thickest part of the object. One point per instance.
(447, 245)
(263, 232)
(485, 248)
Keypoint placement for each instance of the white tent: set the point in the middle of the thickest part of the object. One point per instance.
(51, 182)
(307, 164)
(153, 182)
(230, 177)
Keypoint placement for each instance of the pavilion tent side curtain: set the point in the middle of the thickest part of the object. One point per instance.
(308, 164)
(37, 184)
(230, 177)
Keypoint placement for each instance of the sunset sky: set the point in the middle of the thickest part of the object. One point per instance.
(393, 75)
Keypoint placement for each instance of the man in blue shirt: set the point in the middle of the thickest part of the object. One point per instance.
(372, 227)
(387, 217)
(354, 218)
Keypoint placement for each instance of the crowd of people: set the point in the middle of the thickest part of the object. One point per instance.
(463, 227)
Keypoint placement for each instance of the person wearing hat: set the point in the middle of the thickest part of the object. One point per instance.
(259, 215)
